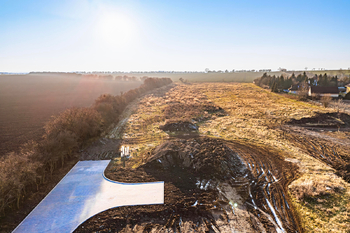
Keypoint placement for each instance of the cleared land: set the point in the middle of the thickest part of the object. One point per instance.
(28, 101)
(232, 156)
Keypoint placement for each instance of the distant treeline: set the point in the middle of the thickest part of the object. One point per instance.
(282, 82)
(116, 78)
(64, 135)
(95, 76)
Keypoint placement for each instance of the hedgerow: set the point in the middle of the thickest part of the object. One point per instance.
(64, 134)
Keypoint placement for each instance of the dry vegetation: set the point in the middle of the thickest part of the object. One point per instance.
(64, 135)
(28, 101)
(249, 114)
(243, 113)
(257, 115)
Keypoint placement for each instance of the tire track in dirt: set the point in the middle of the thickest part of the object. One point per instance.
(331, 152)
(210, 185)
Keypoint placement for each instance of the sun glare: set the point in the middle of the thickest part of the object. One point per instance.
(115, 29)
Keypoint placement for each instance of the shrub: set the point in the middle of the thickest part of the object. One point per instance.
(83, 122)
(55, 147)
(302, 95)
(326, 100)
(17, 171)
(107, 112)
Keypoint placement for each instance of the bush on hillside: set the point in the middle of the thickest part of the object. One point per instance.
(84, 123)
(17, 171)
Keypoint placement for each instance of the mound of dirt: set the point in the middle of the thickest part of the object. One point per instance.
(343, 171)
(184, 126)
(210, 186)
(199, 156)
(332, 120)
(194, 111)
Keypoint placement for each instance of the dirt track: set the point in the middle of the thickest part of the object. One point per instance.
(210, 185)
(306, 134)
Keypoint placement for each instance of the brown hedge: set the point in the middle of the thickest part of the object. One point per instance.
(64, 135)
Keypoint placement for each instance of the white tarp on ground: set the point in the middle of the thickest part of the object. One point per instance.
(83, 193)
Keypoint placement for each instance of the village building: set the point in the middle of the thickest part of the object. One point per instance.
(294, 89)
(317, 91)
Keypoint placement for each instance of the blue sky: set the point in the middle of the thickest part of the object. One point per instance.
(106, 35)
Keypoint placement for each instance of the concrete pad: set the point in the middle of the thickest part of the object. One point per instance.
(83, 193)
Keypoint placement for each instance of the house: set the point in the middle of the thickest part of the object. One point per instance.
(294, 89)
(317, 91)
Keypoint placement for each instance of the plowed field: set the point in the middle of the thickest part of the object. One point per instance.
(28, 101)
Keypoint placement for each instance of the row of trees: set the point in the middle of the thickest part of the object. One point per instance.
(302, 80)
(64, 135)
(237, 71)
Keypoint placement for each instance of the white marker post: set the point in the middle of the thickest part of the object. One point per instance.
(124, 153)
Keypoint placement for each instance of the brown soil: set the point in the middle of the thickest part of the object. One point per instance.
(28, 101)
(196, 111)
(211, 185)
(183, 126)
(332, 152)
(332, 120)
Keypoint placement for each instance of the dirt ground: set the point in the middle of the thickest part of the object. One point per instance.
(210, 186)
(28, 101)
(327, 148)
(324, 120)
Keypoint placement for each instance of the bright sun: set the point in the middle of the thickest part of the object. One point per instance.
(115, 29)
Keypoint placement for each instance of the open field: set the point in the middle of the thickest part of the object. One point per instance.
(245, 77)
(28, 101)
(331, 72)
(233, 156)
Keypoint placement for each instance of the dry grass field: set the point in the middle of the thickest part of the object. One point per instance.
(305, 167)
(28, 101)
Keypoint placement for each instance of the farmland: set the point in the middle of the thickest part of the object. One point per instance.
(28, 101)
(233, 156)
(245, 77)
